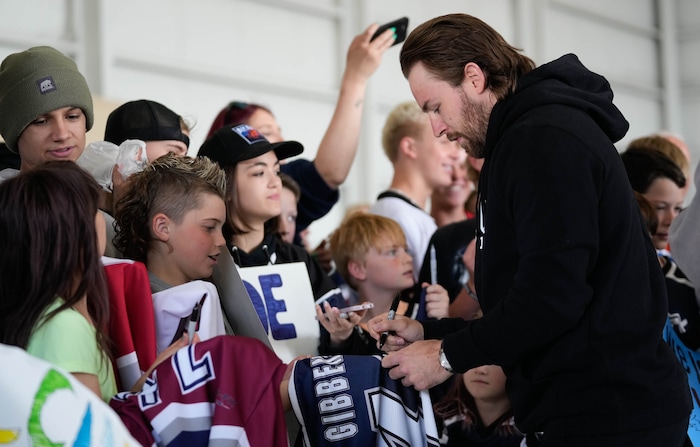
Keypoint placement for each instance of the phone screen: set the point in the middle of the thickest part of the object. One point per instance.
(401, 26)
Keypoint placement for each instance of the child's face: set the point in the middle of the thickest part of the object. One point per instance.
(667, 198)
(288, 222)
(155, 149)
(196, 241)
(57, 135)
(258, 188)
(486, 382)
(390, 267)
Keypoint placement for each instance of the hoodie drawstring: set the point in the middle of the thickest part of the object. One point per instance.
(236, 256)
(267, 254)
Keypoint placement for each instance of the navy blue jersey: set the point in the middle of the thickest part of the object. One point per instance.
(682, 305)
(352, 401)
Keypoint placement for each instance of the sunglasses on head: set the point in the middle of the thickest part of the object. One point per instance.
(234, 105)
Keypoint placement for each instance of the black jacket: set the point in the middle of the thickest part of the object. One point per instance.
(8, 159)
(573, 296)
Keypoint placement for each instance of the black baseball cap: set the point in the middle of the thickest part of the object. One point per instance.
(232, 144)
(144, 120)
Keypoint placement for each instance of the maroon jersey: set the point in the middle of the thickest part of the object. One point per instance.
(225, 388)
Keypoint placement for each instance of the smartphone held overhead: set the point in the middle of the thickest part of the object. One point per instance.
(400, 27)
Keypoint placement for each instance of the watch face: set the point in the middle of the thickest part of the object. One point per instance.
(444, 362)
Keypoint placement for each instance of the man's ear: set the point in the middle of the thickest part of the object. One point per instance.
(357, 270)
(474, 77)
(160, 225)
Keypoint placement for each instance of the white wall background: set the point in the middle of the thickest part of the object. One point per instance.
(196, 56)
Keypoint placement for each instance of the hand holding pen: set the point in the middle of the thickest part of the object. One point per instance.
(392, 314)
(403, 330)
(437, 300)
(433, 265)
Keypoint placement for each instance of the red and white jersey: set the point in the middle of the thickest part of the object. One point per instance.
(223, 389)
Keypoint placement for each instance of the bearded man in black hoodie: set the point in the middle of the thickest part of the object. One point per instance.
(573, 297)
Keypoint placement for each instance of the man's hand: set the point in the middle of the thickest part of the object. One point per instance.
(402, 331)
(417, 365)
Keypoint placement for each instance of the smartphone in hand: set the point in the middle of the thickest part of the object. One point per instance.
(344, 311)
(401, 26)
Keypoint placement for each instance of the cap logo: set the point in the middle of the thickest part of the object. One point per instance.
(46, 85)
(249, 134)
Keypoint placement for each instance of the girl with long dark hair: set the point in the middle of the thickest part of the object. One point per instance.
(53, 295)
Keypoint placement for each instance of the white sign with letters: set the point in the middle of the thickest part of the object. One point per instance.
(284, 301)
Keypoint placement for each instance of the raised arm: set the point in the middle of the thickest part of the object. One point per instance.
(339, 145)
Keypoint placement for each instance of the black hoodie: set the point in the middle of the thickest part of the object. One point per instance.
(573, 296)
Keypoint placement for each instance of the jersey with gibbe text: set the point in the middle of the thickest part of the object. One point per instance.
(352, 401)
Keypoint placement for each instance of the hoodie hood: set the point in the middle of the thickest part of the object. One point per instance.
(565, 82)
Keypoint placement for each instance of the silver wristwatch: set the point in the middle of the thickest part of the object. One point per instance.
(443, 358)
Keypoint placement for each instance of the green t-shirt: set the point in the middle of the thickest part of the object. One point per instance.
(68, 341)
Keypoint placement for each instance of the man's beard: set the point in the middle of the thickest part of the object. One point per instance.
(475, 122)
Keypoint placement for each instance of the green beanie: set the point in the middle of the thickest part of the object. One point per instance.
(35, 82)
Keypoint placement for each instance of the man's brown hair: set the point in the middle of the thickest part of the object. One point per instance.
(445, 44)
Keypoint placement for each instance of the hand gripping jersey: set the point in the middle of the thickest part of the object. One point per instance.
(352, 401)
(223, 391)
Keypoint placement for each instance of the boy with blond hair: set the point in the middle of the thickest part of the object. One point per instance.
(370, 253)
(422, 163)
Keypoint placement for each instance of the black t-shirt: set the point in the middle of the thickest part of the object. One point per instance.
(450, 242)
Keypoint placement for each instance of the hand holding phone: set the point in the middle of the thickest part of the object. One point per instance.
(345, 310)
(400, 26)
